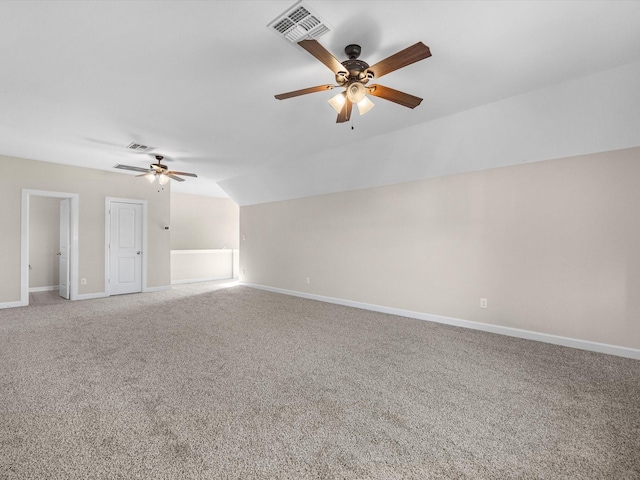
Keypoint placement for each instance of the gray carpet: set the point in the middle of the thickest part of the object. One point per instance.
(45, 298)
(241, 384)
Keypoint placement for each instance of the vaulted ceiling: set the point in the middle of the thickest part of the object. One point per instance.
(79, 81)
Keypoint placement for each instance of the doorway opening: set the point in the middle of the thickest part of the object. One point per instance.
(67, 256)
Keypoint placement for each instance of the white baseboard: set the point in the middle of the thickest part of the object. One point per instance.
(90, 296)
(44, 289)
(15, 304)
(156, 289)
(485, 327)
(198, 280)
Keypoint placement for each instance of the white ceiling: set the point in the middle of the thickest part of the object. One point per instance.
(81, 80)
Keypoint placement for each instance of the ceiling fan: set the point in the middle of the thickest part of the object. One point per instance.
(157, 170)
(354, 74)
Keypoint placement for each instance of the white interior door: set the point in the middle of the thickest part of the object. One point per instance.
(63, 253)
(125, 248)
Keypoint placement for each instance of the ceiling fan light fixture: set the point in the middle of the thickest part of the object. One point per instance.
(337, 102)
(356, 92)
(354, 74)
(365, 105)
(157, 170)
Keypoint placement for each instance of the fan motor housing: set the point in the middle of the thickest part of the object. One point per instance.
(358, 70)
(355, 66)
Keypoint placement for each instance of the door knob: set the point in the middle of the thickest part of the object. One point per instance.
(59, 253)
(138, 253)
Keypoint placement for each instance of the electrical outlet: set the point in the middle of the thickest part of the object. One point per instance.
(483, 303)
(308, 281)
(83, 281)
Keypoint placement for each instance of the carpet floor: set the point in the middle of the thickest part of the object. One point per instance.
(237, 383)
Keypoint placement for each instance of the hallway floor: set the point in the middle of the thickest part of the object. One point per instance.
(50, 297)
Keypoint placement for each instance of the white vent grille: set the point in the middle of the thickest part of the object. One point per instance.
(138, 147)
(299, 23)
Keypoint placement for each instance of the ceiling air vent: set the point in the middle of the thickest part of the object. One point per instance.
(138, 147)
(299, 23)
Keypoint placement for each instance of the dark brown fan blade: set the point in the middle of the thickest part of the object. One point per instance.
(174, 177)
(304, 91)
(129, 167)
(395, 96)
(322, 54)
(345, 113)
(171, 172)
(405, 57)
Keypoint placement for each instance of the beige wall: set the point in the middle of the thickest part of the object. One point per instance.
(44, 241)
(202, 223)
(93, 186)
(189, 266)
(554, 246)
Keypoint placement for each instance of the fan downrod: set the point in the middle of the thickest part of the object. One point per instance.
(162, 167)
(353, 51)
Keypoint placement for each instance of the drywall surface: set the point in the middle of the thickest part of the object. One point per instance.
(92, 186)
(595, 113)
(203, 223)
(553, 246)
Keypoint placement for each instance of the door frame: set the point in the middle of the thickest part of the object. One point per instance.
(73, 240)
(107, 237)
(67, 241)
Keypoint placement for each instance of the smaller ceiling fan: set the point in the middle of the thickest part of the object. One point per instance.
(158, 170)
(353, 74)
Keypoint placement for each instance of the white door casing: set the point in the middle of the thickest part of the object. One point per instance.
(125, 247)
(63, 252)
